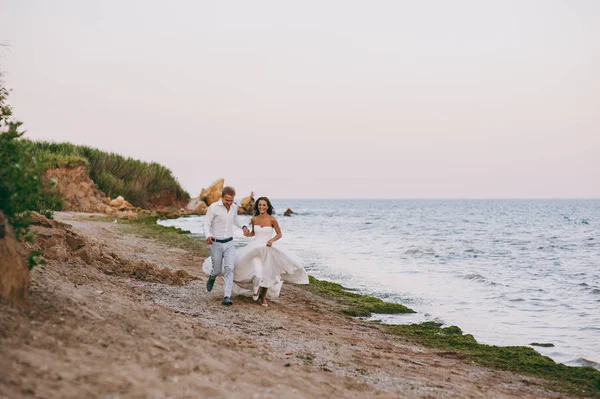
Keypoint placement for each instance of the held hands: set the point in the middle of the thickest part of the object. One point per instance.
(246, 231)
(269, 243)
(209, 240)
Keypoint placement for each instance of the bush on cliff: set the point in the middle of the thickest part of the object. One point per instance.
(143, 184)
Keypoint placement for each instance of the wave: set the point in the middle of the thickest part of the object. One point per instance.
(473, 253)
(592, 289)
(474, 276)
(480, 278)
(417, 251)
(581, 361)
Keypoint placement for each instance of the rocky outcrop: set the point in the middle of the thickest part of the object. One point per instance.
(212, 193)
(247, 205)
(14, 273)
(78, 192)
(121, 204)
(195, 207)
(288, 212)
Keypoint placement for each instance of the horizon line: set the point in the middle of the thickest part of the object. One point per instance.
(444, 198)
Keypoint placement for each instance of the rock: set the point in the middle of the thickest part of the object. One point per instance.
(86, 254)
(50, 238)
(76, 189)
(14, 273)
(37, 219)
(247, 205)
(172, 215)
(121, 204)
(191, 206)
(168, 213)
(201, 208)
(74, 242)
(79, 193)
(109, 210)
(213, 193)
(288, 212)
(57, 252)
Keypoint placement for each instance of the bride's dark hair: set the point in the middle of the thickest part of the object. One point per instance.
(269, 206)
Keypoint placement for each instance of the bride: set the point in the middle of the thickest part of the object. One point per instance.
(263, 265)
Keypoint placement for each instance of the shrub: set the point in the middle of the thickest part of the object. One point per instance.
(21, 185)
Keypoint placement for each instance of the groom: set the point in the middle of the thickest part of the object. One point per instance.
(218, 229)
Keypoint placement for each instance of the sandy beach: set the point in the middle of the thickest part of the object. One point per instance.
(88, 331)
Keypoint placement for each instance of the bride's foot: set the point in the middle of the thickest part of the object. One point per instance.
(255, 295)
(264, 297)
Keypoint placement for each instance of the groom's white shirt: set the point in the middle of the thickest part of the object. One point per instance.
(219, 223)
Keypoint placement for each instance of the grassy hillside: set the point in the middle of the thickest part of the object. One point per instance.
(141, 183)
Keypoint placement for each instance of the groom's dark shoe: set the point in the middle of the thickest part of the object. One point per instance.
(227, 301)
(209, 283)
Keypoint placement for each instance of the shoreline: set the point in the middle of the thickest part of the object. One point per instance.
(87, 331)
(474, 284)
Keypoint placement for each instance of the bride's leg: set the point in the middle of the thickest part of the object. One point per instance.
(257, 270)
(255, 290)
(264, 296)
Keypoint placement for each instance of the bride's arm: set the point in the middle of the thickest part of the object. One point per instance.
(275, 225)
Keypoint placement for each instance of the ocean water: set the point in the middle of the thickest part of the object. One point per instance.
(509, 272)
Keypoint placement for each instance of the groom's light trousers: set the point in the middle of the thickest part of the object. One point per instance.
(223, 262)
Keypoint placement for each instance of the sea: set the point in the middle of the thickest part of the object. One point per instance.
(509, 272)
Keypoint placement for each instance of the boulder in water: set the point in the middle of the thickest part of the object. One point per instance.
(212, 193)
(247, 205)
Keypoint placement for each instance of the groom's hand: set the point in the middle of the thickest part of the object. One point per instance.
(209, 240)
(246, 231)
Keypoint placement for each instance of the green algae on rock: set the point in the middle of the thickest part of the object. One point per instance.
(580, 381)
(356, 304)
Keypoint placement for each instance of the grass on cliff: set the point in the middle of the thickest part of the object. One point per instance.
(141, 183)
(354, 304)
(580, 381)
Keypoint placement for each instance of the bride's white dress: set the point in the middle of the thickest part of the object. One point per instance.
(260, 266)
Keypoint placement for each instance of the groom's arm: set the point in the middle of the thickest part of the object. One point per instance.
(237, 221)
(210, 215)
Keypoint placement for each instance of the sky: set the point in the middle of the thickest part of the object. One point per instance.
(321, 99)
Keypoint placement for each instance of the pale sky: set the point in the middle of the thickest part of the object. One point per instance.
(321, 99)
